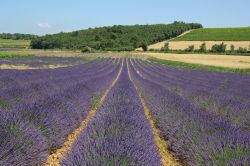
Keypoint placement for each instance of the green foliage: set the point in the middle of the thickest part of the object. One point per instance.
(232, 48)
(190, 48)
(8, 43)
(198, 66)
(144, 47)
(87, 50)
(227, 52)
(115, 38)
(227, 154)
(4, 104)
(96, 101)
(219, 48)
(203, 47)
(13, 54)
(166, 47)
(242, 50)
(217, 34)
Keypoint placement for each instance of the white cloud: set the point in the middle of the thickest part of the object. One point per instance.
(44, 25)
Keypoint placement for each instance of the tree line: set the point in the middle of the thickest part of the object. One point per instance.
(216, 48)
(113, 38)
(17, 36)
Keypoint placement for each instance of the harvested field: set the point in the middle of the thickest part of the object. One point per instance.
(182, 45)
(241, 62)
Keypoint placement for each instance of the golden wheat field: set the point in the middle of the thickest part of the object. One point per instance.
(241, 62)
(182, 45)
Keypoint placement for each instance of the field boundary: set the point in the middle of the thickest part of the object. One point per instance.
(192, 66)
(167, 158)
(183, 45)
(165, 41)
(55, 158)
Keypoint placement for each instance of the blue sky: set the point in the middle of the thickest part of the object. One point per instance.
(52, 16)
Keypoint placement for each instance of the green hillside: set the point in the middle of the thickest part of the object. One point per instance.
(115, 38)
(217, 34)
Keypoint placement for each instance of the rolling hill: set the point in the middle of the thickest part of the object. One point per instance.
(115, 38)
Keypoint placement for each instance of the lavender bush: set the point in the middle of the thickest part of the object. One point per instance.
(197, 137)
(50, 109)
(119, 134)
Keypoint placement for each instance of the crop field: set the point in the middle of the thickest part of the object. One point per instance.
(239, 37)
(217, 34)
(4, 43)
(182, 45)
(226, 61)
(21, 61)
(123, 111)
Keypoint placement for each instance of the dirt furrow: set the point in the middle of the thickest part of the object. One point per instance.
(167, 157)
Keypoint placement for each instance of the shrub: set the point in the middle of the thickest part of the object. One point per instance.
(86, 49)
(151, 49)
(165, 47)
(242, 50)
(219, 48)
(144, 47)
(203, 47)
(190, 48)
(232, 48)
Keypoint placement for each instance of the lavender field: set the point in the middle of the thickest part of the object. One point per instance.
(123, 111)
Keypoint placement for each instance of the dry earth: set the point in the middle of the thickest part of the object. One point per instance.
(182, 45)
(242, 62)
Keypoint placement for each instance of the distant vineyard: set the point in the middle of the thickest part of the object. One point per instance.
(124, 111)
(217, 34)
(115, 38)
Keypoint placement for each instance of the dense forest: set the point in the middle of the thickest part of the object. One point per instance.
(17, 36)
(114, 38)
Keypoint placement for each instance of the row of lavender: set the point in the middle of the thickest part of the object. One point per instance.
(226, 95)
(44, 106)
(199, 137)
(119, 134)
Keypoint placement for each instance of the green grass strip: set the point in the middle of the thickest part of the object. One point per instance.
(14, 55)
(192, 66)
(14, 41)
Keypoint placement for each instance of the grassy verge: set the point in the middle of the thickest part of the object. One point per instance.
(13, 41)
(4, 43)
(14, 55)
(198, 66)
